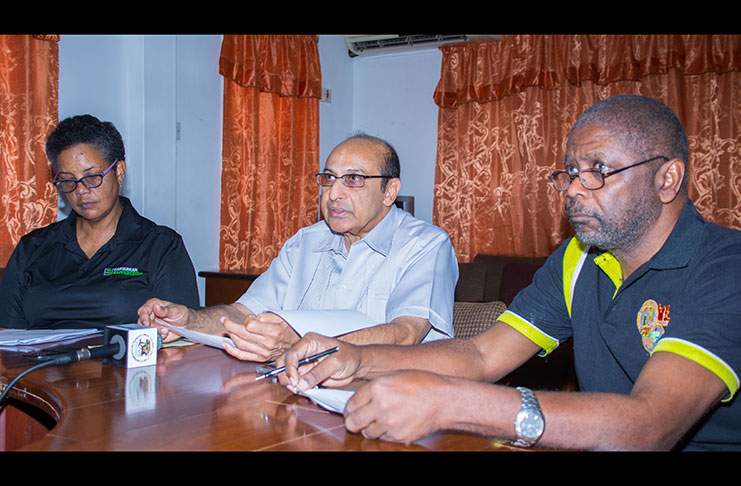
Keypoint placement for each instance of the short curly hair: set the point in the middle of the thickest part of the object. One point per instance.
(87, 129)
(645, 127)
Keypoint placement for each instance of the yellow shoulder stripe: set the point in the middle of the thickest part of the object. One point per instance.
(537, 336)
(573, 260)
(703, 357)
(611, 266)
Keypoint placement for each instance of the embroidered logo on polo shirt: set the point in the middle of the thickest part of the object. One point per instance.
(651, 320)
(129, 271)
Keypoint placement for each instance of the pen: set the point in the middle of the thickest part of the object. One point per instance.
(300, 362)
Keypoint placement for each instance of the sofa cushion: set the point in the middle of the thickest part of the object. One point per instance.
(471, 318)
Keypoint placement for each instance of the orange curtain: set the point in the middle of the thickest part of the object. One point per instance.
(506, 108)
(272, 87)
(29, 76)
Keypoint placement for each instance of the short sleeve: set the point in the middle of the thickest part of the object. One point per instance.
(268, 290)
(426, 288)
(704, 325)
(539, 310)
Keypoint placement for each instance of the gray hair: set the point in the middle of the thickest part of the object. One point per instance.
(644, 126)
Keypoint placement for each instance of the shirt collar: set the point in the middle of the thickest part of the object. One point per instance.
(678, 248)
(683, 240)
(129, 227)
(378, 239)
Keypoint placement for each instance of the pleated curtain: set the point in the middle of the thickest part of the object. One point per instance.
(29, 79)
(506, 108)
(272, 87)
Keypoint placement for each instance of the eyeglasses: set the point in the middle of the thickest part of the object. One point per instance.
(591, 178)
(90, 181)
(349, 180)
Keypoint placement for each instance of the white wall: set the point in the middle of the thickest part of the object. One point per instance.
(155, 88)
(335, 117)
(148, 86)
(394, 101)
(391, 97)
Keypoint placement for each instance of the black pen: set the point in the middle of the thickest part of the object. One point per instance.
(300, 362)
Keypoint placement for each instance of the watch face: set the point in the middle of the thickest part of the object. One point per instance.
(529, 424)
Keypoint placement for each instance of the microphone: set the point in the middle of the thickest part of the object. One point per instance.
(126, 345)
(83, 354)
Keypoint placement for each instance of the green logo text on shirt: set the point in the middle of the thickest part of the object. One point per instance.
(130, 271)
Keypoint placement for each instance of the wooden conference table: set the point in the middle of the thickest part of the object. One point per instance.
(197, 398)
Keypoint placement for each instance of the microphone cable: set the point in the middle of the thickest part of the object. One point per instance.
(15, 380)
(66, 358)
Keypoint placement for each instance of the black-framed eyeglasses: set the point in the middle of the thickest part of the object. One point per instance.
(349, 180)
(591, 178)
(90, 181)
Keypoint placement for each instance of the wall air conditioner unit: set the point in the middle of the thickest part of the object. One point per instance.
(363, 45)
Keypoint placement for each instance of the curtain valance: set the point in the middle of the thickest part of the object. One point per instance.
(489, 71)
(287, 65)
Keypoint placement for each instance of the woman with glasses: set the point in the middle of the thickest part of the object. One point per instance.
(97, 266)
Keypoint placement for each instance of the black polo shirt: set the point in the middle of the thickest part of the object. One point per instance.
(686, 299)
(49, 282)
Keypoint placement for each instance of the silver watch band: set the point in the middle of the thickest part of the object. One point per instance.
(530, 423)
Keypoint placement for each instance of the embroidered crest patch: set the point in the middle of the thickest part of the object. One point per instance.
(651, 320)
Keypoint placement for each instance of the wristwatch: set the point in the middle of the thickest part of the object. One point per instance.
(529, 423)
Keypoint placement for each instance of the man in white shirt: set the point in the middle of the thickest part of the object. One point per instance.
(366, 255)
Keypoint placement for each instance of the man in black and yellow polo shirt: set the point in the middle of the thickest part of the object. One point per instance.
(647, 289)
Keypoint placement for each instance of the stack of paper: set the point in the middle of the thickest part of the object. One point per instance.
(28, 337)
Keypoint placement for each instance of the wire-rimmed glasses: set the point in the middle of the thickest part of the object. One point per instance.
(591, 178)
(350, 180)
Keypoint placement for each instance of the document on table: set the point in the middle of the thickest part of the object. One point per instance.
(28, 337)
(331, 399)
(198, 337)
(328, 322)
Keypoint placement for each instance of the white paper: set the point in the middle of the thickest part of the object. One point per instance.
(328, 322)
(26, 337)
(198, 337)
(331, 399)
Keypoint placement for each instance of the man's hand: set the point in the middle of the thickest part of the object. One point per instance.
(171, 313)
(335, 370)
(401, 407)
(260, 338)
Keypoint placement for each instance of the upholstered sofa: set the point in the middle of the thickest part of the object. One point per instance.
(486, 286)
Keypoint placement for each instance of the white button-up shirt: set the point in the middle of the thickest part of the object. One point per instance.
(402, 267)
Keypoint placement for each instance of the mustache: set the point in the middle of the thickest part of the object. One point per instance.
(335, 206)
(574, 206)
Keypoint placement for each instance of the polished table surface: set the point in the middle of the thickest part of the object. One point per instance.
(197, 398)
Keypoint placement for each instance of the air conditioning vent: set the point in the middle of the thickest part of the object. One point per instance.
(359, 45)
